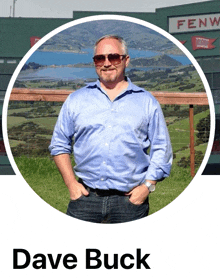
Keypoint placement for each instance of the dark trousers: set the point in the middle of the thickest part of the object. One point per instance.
(106, 206)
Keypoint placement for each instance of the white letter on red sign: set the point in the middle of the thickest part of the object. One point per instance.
(34, 40)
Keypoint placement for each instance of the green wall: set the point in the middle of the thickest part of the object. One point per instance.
(16, 32)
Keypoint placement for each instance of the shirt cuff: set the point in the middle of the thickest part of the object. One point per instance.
(155, 173)
(56, 151)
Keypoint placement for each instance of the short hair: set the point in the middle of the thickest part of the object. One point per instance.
(120, 39)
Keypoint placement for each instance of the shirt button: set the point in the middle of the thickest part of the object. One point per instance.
(104, 162)
(102, 179)
(106, 144)
(109, 126)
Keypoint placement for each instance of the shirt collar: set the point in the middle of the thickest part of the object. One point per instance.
(131, 87)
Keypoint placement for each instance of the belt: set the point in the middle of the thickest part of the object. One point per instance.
(102, 192)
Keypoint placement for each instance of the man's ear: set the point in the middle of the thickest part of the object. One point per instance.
(127, 60)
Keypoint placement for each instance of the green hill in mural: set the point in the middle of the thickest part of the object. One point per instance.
(85, 35)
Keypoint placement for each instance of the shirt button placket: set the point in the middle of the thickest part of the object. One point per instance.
(106, 151)
(107, 145)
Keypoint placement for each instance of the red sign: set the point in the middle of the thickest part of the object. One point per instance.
(2, 148)
(216, 147)
(33, 40)
(199, 42)
(183, 42)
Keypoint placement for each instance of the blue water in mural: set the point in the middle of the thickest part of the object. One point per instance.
(65, 58)
(69, 73)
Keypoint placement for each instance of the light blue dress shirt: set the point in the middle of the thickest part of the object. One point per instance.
(117, 144)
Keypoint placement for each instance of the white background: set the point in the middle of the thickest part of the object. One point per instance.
(182, 238)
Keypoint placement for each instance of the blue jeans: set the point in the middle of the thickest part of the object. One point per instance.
(106, 206)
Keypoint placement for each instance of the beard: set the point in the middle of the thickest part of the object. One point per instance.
(110, 76)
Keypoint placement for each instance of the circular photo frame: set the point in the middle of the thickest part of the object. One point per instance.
(63, 60)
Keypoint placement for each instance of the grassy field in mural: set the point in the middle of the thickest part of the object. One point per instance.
(41, 174)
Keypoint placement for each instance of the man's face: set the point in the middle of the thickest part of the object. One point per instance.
(109, 73)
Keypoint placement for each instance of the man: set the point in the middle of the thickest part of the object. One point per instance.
(113, 123)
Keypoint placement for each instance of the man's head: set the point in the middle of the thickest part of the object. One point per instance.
(111, 68)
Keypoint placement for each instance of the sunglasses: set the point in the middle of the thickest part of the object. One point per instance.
(114, 59)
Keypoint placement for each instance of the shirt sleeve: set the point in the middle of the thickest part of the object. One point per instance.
(160, 146)
(61, 141)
